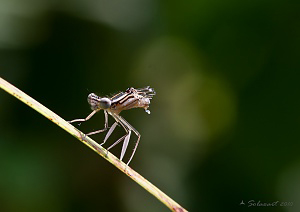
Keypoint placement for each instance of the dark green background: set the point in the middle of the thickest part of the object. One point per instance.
(224, 125)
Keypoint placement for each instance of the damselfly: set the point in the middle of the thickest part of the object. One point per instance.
(131, 98)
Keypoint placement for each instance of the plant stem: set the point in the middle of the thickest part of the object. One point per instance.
(170, 203)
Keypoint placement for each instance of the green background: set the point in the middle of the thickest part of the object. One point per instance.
(224, 125)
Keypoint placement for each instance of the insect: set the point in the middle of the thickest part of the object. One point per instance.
(131, 98)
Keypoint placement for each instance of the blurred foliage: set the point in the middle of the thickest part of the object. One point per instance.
(225, 121)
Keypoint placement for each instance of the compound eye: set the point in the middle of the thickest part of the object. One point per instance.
(105, 103)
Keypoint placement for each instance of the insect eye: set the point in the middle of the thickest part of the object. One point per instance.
(105, 103)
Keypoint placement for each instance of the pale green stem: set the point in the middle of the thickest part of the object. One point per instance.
(170, 203)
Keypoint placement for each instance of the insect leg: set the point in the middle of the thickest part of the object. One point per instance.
(125, 144)
(105, 126)
(135, 147)
(109, 132)
(128, 129)
(87, 118)
(118, 141)
(127, 136)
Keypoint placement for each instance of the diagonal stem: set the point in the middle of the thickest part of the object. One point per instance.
(170, 203)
